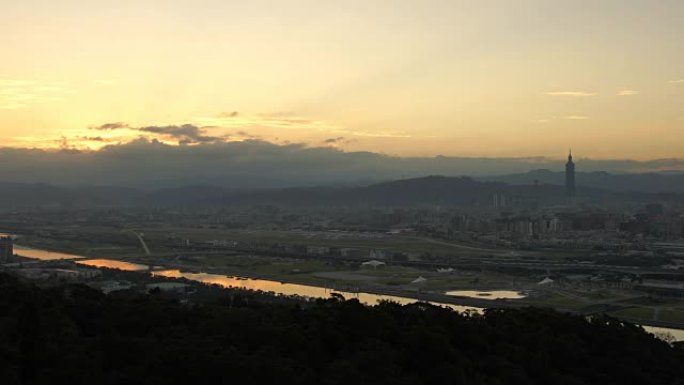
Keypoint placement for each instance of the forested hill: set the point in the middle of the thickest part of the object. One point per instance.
(74, 335)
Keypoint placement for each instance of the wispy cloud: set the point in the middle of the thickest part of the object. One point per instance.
(375, 134)
(557, 118)
(570, 93)
(105, 82)
(278, 120)
(183, 134)
(17, 93)
(334, 140)
(627, 93)
(231, 114)
(676, 81)
(16, 83)
(10, 106)
(232, 126)
(111, 126)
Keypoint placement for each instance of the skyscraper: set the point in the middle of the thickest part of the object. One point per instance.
(570, 177)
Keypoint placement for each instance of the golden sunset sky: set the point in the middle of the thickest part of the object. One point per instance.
(408, 78)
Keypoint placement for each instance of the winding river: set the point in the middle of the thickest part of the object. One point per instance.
(280, 287)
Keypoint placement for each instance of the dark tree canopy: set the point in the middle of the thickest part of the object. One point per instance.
(75, 335)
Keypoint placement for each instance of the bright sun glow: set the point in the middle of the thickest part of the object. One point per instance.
(400, 77)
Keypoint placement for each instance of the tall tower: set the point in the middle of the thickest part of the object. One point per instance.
(570, 177)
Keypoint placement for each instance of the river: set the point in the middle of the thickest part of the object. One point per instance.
(274, 286)
(43, 255)
(292, 288)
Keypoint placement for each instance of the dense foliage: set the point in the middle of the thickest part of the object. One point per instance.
(74, 335)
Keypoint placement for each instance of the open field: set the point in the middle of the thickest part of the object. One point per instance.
(364, 241)
(340, 273)
(103, 241)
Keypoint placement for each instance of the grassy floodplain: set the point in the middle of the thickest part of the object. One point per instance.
(476, 267)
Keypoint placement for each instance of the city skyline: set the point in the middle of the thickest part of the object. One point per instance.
(486, 79)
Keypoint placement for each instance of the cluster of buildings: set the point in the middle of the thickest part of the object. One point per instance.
(57, 274)
(508, 219)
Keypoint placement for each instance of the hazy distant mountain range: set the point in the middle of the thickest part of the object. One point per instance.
(431, 190)
(260, 164)
(152, 174)
(27, 195)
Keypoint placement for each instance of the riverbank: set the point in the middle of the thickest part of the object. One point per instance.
(418, 295)
(461, 303)
(433, 297)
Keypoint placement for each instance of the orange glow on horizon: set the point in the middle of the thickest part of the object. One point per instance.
(396, 77)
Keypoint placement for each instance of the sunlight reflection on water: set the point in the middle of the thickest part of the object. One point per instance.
(292, 288)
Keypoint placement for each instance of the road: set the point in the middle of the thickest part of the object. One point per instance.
(462, 246)
(142, 242)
